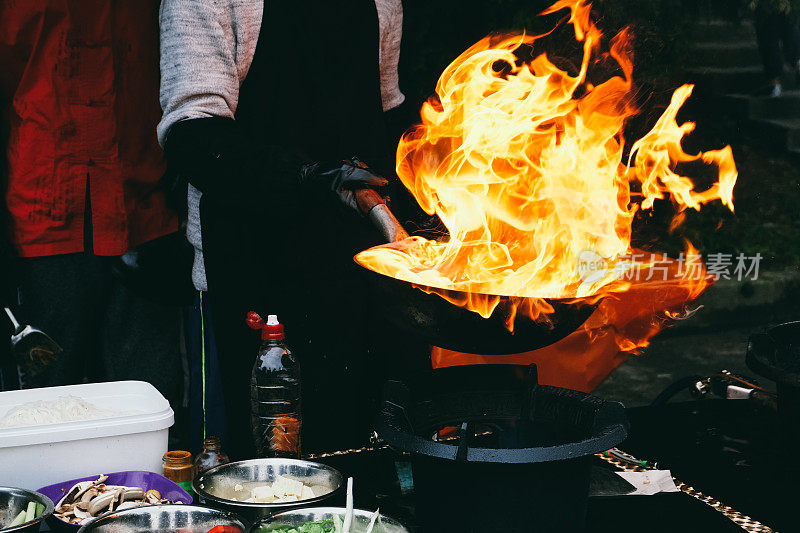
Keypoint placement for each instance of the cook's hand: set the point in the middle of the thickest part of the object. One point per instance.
(341, 182)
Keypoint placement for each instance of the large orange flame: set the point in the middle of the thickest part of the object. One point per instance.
(524, 165)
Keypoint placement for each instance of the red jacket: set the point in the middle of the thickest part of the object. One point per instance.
(79, 93)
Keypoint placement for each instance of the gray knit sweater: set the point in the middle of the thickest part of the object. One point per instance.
(207, 47)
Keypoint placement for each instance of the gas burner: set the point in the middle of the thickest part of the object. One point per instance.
(489, 438)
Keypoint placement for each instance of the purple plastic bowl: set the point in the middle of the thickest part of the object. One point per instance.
(133, 478)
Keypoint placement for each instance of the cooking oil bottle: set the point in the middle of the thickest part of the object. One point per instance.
(274, 392)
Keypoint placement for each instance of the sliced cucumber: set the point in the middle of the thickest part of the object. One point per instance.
(19, 520)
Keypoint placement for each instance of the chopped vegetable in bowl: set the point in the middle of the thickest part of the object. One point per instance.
(33, 511)
(22, 509)
(333, 525)
(331, 520)
(323, 526)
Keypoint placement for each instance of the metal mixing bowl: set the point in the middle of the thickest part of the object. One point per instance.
(298, 517)
(163, 518)
(12, 501)
(216, 487)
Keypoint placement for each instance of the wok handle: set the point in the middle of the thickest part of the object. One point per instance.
(372, 205)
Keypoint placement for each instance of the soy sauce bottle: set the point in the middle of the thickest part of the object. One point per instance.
(211, 456)
(274, 392)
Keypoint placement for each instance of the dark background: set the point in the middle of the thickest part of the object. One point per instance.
(436, 32)
(664, 35)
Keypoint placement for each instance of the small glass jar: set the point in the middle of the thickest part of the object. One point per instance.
(211, 456)
(179, 468)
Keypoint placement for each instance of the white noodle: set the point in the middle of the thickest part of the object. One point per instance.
(62, 409)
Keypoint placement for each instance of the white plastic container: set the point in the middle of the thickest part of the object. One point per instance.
(35, 456)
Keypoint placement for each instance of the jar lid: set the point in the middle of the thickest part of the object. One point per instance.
(178, 457)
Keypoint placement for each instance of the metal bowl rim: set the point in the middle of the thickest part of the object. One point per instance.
(49, 507)
(176, 506)
(322, 510)
(202, 493)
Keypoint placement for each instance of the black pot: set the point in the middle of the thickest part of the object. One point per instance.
(431, 318)
(519, 458)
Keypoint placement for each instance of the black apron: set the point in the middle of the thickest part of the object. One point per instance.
(313, 86)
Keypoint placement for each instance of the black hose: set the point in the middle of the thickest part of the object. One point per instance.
(680, 385)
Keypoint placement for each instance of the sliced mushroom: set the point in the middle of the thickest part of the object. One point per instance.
(107, 499)
(120, 498)
(101, 502)
(87, 497)
(89, 494)
(134, 493)
(74, 492)
(128, 505)
(79, 489)
(82, 515)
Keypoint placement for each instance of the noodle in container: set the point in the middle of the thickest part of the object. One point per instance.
(51, 434)
(62, 409)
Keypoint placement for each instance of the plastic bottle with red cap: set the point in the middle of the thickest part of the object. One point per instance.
(275, 392)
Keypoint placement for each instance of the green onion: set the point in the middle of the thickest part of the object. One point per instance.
(20, 519)
(31, 512)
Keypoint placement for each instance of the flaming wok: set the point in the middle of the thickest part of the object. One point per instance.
(526, 165)
(435, 320)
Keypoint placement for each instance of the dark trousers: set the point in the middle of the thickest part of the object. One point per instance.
(107, 332)
(206, 401)
(778, 40)
(303, 271)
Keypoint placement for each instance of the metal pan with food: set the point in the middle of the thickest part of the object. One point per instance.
(346, 519)
(23, 510)
(327, 520)
(257, 488)
(167, 519)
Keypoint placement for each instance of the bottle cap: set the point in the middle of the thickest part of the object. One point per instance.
(270, 330)
(211, 442)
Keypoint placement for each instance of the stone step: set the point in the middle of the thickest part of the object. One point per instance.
(783, 134)
(724, 31)
(731, 301)
(737, 106)
(725, 54)
(792, 130)
(762, 107)
(735, 80)
(725, 80)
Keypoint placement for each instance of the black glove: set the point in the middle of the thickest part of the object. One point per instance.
(228, 165)
(340, 182)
